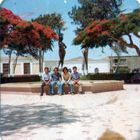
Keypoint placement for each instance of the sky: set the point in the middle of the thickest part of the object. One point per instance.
(29, 9)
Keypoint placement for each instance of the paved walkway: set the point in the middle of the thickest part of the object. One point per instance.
(71, 117)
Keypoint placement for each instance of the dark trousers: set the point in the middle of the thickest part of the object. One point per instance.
(42, 88)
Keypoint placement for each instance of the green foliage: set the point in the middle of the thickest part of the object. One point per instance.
(108, 76)
(123, 70)
(53, 20)
(89, 10)
(101, 33)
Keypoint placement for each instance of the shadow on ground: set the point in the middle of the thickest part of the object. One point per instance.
(14, 118)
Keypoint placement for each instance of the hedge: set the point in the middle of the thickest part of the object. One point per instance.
(20, 78)
(108, 76)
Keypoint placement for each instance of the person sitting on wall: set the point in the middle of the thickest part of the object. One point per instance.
(75, 77)
(46, 78)
(66, 79)
(56, 80)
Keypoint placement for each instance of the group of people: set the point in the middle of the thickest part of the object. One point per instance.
(60, 79)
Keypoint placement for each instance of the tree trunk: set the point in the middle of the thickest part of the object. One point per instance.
(118, 64)
(137, 49)
(9, 63)
(131, 44)
(15, 64)
(41, 60)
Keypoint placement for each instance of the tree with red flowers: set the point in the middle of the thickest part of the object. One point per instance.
(53, 20)
(90, 10)
(24, 37)
(107, 32)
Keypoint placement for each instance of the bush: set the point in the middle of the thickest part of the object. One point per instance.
(123, 70)
(108, 76)
(20, 78)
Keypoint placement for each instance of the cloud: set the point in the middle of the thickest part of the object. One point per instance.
(138, 1)
(1, 1)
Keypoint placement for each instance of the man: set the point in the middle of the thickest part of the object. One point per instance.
(56, 80)
(75, 77)
(46, 80)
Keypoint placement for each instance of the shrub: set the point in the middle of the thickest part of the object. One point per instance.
(108, 76)
(20, 78)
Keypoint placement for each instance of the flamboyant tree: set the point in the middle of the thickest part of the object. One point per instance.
(90, 10)
(24, 37)
(107, 32)
(53, 20)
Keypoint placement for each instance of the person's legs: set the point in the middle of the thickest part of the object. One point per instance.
(52, 86)
(80, 88)
(50, 91)
(42, 88)
(59, 87)
(71, 87)
(62, 86)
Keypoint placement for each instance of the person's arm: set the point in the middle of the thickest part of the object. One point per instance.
(43, 77)
(48, 82)
(78, 79)
(64, 45)
(69, 78)
(62, 78)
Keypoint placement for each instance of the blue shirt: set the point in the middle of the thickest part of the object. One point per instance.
(75, 76)
(55, 77)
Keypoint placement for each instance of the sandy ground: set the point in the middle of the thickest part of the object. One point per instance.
(71, 117)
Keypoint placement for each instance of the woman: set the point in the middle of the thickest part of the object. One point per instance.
(66, 79)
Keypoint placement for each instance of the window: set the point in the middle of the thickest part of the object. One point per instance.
(5, 68)
(26, 68)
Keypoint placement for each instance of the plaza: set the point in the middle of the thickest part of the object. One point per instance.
(84, 55)
(81, 116)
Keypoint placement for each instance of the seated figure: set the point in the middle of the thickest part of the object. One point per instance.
(75, 77)
(66, 80)
(46, 78)
(56, 80)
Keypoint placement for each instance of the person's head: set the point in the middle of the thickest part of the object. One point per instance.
(56, 70)
(46, 69)
(61, 37)
(74, 69)
(65, 70)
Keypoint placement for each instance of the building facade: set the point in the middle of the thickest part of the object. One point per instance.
(129, 62)
(28, 65)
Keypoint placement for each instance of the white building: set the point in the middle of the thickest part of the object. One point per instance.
(103, 65)
(28, 65)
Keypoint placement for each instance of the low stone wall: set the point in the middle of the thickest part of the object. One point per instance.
(87, 86)
(103, 86)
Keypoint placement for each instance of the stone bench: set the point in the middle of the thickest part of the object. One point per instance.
(87, 86)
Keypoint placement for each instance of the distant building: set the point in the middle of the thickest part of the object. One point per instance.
(28, 65)
(102, 65)
(25, 65)
(130, 62)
